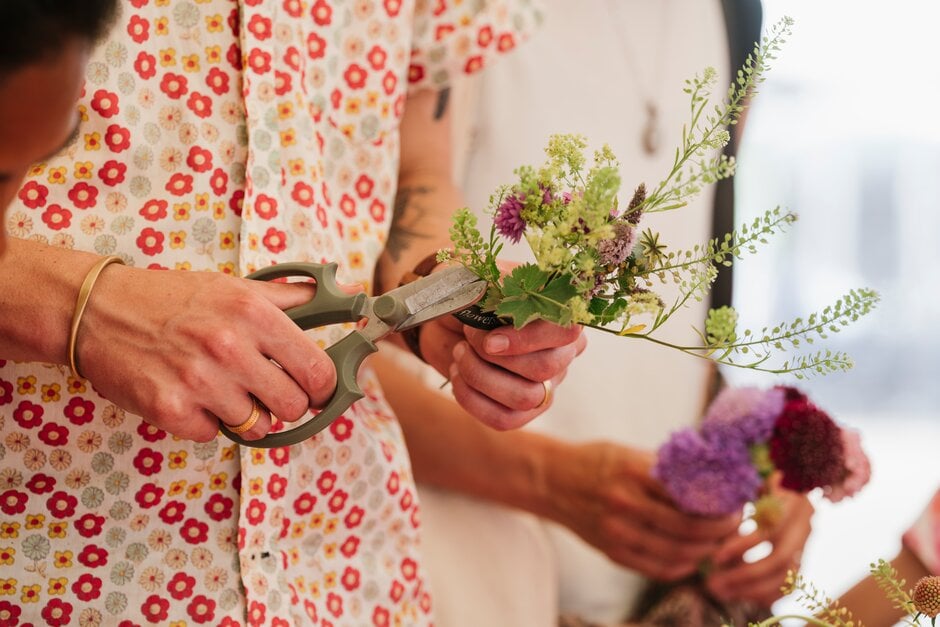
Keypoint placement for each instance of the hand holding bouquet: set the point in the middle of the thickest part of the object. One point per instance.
(596, 266)
(748, 436)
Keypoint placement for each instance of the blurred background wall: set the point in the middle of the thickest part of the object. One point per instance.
(846, 133)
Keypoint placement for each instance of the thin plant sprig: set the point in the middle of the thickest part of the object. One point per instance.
(826, 612)
(893, 586)
(692, 166)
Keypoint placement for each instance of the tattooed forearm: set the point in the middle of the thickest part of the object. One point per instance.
(410, 213)
(440, 108)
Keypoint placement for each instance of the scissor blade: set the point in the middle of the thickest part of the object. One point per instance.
(438, 294)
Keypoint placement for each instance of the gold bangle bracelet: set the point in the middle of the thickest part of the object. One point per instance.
(84, 293)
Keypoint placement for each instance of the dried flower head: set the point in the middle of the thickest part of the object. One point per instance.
(927, 596)
(807, 447)
(613, 252)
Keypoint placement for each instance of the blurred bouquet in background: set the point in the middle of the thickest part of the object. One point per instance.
(595, 266)
(750, 437)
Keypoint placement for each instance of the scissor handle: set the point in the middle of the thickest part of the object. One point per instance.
(329, 306)
(347, 356)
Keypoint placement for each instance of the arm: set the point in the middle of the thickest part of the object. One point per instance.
(165, 344)
(602, 492)
(497, 376)
(868, 602)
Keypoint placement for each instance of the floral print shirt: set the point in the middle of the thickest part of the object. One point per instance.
(923, 538)
(226, 136)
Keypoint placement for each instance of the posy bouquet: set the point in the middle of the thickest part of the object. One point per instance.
(750, 436)
(595, 265)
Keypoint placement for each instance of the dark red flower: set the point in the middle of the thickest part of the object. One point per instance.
(57, 217)
(219, 507)
(117, 138)
(194, 531)
(61, 504)
(806, 447)
(9, 613)
(180, 184)
(338, 501)
(354, 517)
(149, 495)
(154, 210)
(57, 612)
(180, 586)
(105, 103)
(305, 503)
(275, 240)
(302, 194)
(349, 547)
(259, 61)
(148, 461)
(79, 411)
(342, 429)
(218, 81)
(327, 481)
(392, 7)
(13, 502)
(83, 195)
(277, 486)
(150, 432)
(40, 483)
(265, 206)
(155, 608)
(150, 241)
(6, 392)
(173, 512)
(28, 415)
(322, 13)
(260, 27)
(254, 513)
(87, 587)
(256, 614)
(89, 525)
(174, 85)
(112, 172)
(316, 46)
(145, 65)
(33, 194)
(199, 104)
(219, 181)
(138, 28)
(282, 83)
(54, 435)
(355, 76)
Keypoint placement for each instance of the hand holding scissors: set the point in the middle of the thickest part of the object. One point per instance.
(436, 295)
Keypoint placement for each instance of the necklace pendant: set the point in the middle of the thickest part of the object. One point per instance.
(650, 137)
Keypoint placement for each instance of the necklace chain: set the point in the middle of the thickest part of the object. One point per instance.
(648, 94)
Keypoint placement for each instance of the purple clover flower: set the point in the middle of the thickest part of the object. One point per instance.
(509, 222)
(707, 473)
(615, 251)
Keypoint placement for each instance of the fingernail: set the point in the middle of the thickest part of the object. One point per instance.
(496, 343)
(453, 371)
(459, 350)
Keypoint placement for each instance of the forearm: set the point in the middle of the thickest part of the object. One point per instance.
(426, 197)
(453, 450)
(38, 288)
(868, 602)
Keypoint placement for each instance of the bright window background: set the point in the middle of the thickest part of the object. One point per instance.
(846, 133)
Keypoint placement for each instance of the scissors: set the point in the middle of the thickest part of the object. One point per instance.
(435, 295)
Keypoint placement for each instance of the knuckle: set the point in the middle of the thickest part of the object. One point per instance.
(292, 407)
(320, 375)
(223, 344)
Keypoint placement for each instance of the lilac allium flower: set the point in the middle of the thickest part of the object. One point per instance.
(614, 251)
(709, 474)
(857, 468)
(751, 412)
(509, 222)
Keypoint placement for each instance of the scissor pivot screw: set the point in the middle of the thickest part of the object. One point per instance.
(390, 310)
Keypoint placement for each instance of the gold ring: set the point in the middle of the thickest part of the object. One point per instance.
(252, 418)
(547, 386)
